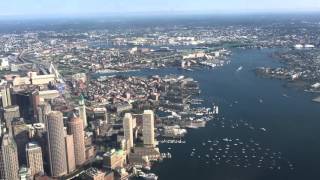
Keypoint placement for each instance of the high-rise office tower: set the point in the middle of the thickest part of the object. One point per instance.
(148, 128)
(6, 96)
(128, 129)
(9, 166)
(75, 127)
(34, 158)
(71, 163)
(56, 144)
(82, 111)
(42, 110)
(9, 113)
(21, 136)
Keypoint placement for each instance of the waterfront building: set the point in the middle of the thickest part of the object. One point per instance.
(148, 128)
(143, 155)
(34, 158)
(128, 129)
(9, 166)
(75, 127)
(56, 144)
(82, 111)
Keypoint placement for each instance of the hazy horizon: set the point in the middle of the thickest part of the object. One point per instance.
(84, 8)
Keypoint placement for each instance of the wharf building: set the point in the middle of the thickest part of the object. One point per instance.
(149, 152)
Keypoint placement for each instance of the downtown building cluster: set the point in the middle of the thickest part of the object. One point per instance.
(37, 138)
(45, 135)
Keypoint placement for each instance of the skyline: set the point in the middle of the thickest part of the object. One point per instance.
(41, 8)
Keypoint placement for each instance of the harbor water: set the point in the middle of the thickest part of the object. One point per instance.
(265, 131)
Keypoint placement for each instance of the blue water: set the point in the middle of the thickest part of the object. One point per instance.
(292, 122)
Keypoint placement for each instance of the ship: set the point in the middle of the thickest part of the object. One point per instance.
(239, 68)
(149, 176)
(215, 109)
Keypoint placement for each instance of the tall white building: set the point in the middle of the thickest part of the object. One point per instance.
(82, 112)
(128, 129)
(148, 128)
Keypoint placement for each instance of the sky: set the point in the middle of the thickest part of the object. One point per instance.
(92, 7)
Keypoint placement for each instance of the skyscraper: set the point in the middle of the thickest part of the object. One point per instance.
(71, 163)
(34, 158)
(6, 96)
(148, 128)
(75, 127)
(56, 144)
(42, 110)
(82, 112)
(35, 99)
(20, 132)
(128, 129)
(9, 166)
(9, 113)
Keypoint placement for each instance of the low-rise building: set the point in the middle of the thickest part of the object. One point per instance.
(114, 159)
